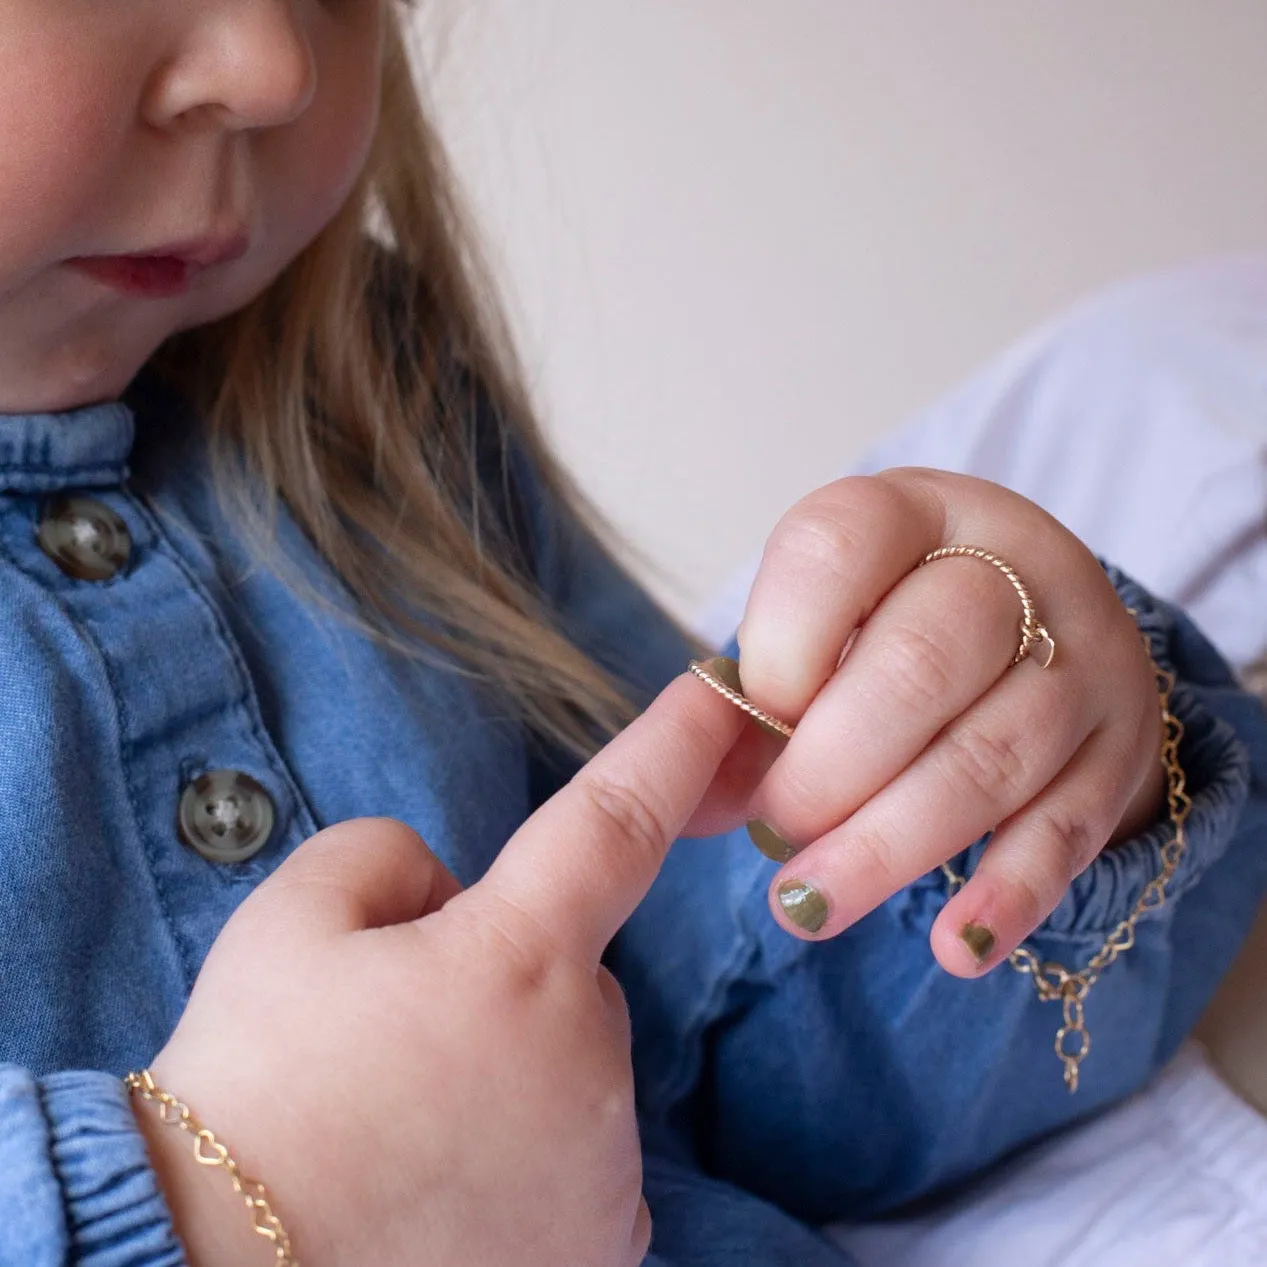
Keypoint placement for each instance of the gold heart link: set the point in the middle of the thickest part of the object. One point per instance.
(206, 1140)
(262, 1218)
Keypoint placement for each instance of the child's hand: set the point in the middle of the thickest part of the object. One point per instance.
(923, 739)
(422, 1075)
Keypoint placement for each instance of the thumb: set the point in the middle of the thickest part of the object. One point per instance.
(581, 864)
(358, 874)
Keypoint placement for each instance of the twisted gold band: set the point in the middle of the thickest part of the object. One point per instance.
(715, 672)
(1036, 643)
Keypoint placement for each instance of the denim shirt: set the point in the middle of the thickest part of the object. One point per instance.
(780, 1083)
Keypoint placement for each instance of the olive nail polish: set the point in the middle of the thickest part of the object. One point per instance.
(769, 841)
(979, 939)
(725, 670)
(805, 906)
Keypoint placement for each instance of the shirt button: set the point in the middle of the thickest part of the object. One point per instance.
(84, 537)
(226, 816)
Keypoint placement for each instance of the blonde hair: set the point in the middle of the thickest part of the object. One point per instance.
(361, 422)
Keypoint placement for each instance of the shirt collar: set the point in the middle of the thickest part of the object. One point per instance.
(82, 448)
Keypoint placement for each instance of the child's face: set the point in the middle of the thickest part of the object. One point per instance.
(157, 128)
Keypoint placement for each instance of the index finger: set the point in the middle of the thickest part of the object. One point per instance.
(581, 864)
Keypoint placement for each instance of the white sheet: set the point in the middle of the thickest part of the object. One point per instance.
(1176, 1177)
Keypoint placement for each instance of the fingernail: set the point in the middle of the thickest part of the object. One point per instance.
(803, 904)
(725, 670)
(769, 841)
(979, 939)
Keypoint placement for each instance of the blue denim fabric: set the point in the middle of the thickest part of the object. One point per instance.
(779, 1083)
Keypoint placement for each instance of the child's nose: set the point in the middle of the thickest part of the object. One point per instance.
(245, 63)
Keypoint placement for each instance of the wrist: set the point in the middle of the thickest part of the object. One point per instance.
(213, 1223)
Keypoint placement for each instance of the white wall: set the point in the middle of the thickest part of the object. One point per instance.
(742, 237)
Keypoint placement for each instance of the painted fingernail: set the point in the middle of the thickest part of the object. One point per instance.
(725, 670)
(979, 940)
(803, 904)
(769, 841)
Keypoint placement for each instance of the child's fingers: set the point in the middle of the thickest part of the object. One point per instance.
(727, 803)
(827, 564)
(1032, 859)
(985, 768)
(581, 864)
(940, 640)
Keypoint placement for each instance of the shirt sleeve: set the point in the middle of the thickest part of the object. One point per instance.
(846, 1078)
(76, 1185)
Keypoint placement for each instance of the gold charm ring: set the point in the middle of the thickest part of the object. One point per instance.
(1036, 643)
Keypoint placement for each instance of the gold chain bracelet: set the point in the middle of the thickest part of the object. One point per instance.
(208, 1151)
(1056, 983)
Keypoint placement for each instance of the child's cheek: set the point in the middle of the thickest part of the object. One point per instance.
(313, 165)
(62, 130)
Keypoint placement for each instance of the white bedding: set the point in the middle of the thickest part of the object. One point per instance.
(1175, 1177)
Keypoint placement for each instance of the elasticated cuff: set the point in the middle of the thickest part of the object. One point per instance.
(76, 1185)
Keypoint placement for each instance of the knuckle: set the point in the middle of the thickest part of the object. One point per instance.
(875, 855)
(796, 795)
(880, 501)
(627, 813)
(1064, 844)
(921, 671)
(397, 840)
(506, 935)
(815, 539)
(1030, 904)
(326, 852)
(990, 765)
(696, 735)
(1078, 837)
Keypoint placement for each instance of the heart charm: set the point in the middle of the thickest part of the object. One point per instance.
(1043, 649)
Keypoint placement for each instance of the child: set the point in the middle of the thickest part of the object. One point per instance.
(316, 565)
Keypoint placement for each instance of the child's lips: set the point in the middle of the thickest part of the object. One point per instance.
(146, 276)
(162, 274)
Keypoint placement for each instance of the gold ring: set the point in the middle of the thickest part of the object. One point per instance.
(723, 676)
(1036, 643)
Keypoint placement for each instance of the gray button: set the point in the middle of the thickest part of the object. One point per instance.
(226, 816)
(84, 537)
